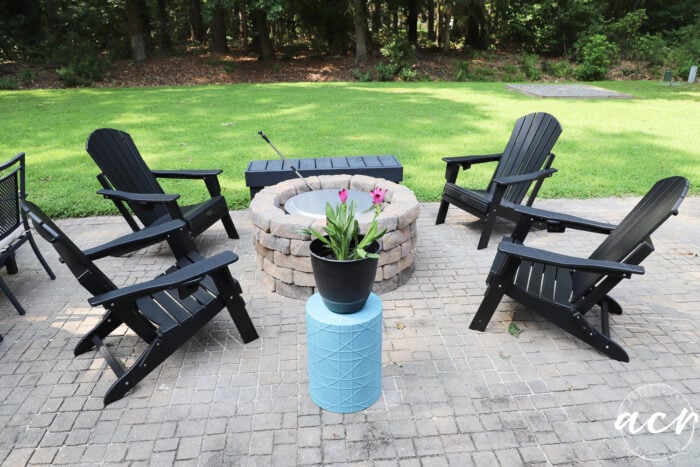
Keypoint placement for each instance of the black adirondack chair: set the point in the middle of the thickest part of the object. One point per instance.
(128, 181)
(165, 311)
(526, 160)
(14, 228)
(561, 288)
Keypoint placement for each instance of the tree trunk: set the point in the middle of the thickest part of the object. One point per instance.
(266, 50)
(362, 39)
(137, 38)
(217, 30)
(245, 33)
(377, 16)
(446, 18)
(431, 20)
(196, 24)
(165, 42)
(412, 20)
(477, 27)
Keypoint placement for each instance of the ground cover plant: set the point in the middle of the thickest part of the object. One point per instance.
(608, 146)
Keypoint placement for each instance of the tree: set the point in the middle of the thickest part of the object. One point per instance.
(446, 20)
(196, 23)
(137, 36)
(362, 38)
(263, 42)
(217, 30)
(412, 20)
(163, 29)
(477, 24)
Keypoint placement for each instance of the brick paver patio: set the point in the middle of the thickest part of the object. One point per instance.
(450, 396)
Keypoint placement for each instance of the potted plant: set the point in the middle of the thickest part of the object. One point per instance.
(344, 262)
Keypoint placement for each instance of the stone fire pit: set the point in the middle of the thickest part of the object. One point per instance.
(283, 252)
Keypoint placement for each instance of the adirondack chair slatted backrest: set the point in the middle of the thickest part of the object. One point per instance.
(653, 209)
(89, 275)
(116, 155)
(531, 141)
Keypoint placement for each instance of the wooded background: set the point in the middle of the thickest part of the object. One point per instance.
(84, 37)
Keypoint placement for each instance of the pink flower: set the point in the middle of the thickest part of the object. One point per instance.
(343, 195)
(378, 195)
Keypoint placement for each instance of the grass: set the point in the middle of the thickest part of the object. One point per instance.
(608, 147)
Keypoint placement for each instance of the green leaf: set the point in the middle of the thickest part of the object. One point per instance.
(514, 330)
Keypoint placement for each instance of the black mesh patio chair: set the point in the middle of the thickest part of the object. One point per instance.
(128, 181)
(525, 163)
(165, 311)
(14, 228)
(561, 288)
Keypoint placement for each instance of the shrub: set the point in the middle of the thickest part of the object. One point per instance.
(530, 65)
(400, 53)
(26, 77)
(80, 65)
(462, 72)
(9, 83)
(511, 73)
(597, 55)
(362, 77)
(384, 72)
(651, 49)
(468, 72)
(559, 68)
(684, 50)
(408, 74)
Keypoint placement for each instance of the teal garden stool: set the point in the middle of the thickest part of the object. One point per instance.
(345, 355)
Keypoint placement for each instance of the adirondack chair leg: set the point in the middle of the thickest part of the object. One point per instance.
(611, 305)
(442, 213)
(607, 306)
(486, 230)
(230, 227)
(154, 355)
(489, 222)
(451, 173)
(577, 325)
(492, 297)
(239, 315)
(491, 216)
(109, 323)
(231, 293)
(11, 297)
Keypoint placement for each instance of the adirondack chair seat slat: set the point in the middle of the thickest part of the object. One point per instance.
(521, 169)
(561, 288)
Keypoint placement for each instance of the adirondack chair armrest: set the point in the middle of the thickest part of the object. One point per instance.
(140, 198)
(580, 264)
(135, 240)
(210, 177)
(524, 178)
(193, 174)
(187, 276)
(558, 222)
(467, 161)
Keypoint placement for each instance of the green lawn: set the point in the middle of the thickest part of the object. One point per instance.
(608, 146)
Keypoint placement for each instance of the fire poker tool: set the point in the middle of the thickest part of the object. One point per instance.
(294, 169)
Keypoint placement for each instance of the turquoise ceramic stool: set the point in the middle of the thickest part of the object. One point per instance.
(345, 355)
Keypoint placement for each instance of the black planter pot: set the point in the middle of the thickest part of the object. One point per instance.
(344, 286)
